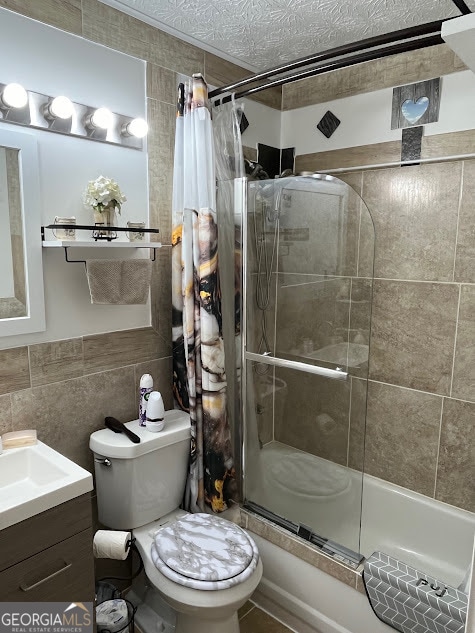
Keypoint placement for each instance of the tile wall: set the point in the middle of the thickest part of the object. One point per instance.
(420, 426)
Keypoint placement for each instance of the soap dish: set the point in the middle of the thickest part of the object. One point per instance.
(16, 439)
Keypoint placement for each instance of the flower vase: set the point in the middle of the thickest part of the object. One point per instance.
(103, 218)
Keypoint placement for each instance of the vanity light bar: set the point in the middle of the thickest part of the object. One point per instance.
(61, 115)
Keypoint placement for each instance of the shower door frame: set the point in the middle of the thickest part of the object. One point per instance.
(331, 548)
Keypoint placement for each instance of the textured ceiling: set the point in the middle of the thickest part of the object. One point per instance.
(259, 34)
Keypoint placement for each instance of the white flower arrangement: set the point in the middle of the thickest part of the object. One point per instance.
(101, 192)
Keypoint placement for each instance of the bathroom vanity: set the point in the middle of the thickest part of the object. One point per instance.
(45, 527)
(48, 557)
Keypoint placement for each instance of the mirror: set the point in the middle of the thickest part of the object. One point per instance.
(21, 281)
(12, 264)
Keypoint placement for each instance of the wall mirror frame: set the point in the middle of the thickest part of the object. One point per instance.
(26, 303)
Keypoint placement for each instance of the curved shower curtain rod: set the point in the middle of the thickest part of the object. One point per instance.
(405, 40)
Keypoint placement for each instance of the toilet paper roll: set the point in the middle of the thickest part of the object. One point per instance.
(111, 544)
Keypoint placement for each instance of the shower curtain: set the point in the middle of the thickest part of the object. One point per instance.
(199, 379)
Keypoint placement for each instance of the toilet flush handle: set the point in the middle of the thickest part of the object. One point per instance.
(103, 460)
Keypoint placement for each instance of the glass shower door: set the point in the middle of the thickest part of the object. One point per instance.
(308, 255)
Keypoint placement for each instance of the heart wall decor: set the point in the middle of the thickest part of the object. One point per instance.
(412, 111)
(415, 104)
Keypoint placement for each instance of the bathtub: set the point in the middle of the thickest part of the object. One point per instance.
(430, 535)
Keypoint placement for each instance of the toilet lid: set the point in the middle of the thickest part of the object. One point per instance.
(204, 552)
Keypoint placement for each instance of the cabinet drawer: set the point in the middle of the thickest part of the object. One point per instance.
(62, 573)
(22, 540)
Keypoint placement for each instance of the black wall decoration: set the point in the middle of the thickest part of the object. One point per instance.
(328, 124)
(411, 143)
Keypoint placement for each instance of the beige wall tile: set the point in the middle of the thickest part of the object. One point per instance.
(122, 32)
(463, 385)
(402, 432)
(350, 229)
(413, 333)
(161, 146)
(456, 467)
(376, 154)
(14, 369)
(5, 414)
(449, 144)
(311, 307)
(161, 84)
(356, 441)
(161, 371)
(395, 70)
(360, 308)
(414, 210)
(63, 14)
(220, 72)
(161, 299)
(117, 349)
(465, 258)
(56, 361)
(66, 413)
(315, 415)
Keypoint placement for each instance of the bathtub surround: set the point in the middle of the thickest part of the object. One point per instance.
(422, 383)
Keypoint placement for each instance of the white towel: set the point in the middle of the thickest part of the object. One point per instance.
(119, 281)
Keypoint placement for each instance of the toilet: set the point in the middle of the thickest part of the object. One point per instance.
(203, 566)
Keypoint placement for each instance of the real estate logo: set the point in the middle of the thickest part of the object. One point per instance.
(46, 617)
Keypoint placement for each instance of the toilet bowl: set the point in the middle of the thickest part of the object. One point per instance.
(202, 606)
(203, 566)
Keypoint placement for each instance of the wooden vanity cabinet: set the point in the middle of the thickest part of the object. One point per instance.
(48, 557)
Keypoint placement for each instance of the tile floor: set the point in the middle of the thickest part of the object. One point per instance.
(255, 620)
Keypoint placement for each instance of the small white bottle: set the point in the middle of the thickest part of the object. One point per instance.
(155, 412)
(146, 388)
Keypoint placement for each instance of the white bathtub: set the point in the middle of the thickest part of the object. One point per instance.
(432, 536)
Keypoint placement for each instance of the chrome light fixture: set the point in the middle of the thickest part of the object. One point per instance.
(58, 108)
(136, 127)
(14, 96)
(61, 115)
(101, 119)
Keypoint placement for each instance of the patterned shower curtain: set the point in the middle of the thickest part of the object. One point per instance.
(199, 379)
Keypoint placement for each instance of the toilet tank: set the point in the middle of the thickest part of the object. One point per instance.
(139, 483)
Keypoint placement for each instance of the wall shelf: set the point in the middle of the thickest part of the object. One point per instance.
(91, 244)
(96, 242)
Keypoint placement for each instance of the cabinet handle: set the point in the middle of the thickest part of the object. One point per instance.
(25, 587)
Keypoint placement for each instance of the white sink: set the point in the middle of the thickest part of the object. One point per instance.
(36, 478)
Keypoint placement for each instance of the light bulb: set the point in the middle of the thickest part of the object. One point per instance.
(61, 108)
(102, 118)
(136, 127)
(14, 96)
